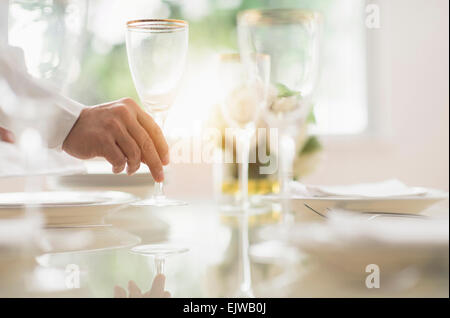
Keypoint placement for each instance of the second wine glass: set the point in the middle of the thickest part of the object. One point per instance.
(157, 51)
(243, 93)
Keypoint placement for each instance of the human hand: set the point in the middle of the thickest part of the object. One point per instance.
(122, 133)
(6, 135)
(156, 291)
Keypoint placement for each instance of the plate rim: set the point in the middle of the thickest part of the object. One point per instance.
(432, 194)
(127, 198)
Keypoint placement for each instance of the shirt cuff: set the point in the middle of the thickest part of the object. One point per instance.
(64, 118)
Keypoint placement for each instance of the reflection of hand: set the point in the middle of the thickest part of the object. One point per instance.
(156, 291)
(122, 133)
(6, 135)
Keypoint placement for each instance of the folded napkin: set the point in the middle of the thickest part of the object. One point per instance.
(388, 188)
(50, 162)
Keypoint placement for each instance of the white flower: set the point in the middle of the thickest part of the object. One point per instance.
(243, 104)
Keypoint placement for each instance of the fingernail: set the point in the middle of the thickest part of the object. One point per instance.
(10, 136)
(117, 170)
(160, 176)
(165, 159)
(129, 171)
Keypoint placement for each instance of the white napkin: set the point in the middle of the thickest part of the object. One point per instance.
(388, 188)
(51, 162)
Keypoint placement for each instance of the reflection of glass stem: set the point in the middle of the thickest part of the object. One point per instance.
(159, 264)
(244, 271)
(286, 157)
(243, 152)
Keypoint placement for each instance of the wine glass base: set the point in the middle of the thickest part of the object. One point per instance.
(158, 250)
(159, 202)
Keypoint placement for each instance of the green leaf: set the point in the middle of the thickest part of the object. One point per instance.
(311, 119)
(311, 145)
(284, 91)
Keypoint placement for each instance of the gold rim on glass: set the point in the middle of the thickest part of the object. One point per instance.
(278, 16)
(157, 25)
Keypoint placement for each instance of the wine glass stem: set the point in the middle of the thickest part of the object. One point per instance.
(158, 189)
(245, 271)
(159, 264)
(244, 151)
(285, 175)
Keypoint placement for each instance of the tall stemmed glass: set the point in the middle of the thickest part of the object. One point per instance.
(157, 53)
(291, 38)
(244, 92)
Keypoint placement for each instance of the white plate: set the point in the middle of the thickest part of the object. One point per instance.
(407, 204)
(64, 208)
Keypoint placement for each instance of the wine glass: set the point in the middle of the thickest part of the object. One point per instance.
(291, 38)
(243, 93)
(156, 54)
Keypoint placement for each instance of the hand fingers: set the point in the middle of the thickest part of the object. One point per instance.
(6, 135)
(148, 151)
(134, 290)
(119, 292)
(167, 294)
(114, 155)
(131, 150)
(155, 132)
(157, 290)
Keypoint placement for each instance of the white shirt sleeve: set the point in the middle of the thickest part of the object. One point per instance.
(64, 111)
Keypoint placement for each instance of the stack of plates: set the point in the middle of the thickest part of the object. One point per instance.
(64, 208)
(73, 221)
(99, 177)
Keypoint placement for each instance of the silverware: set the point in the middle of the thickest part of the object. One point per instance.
(317, 212)
(374, 214)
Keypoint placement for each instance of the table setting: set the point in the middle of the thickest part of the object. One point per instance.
(266, 232)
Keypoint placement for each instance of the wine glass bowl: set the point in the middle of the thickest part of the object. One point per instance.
(243, 91)
(291, 38)
(157, 54)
